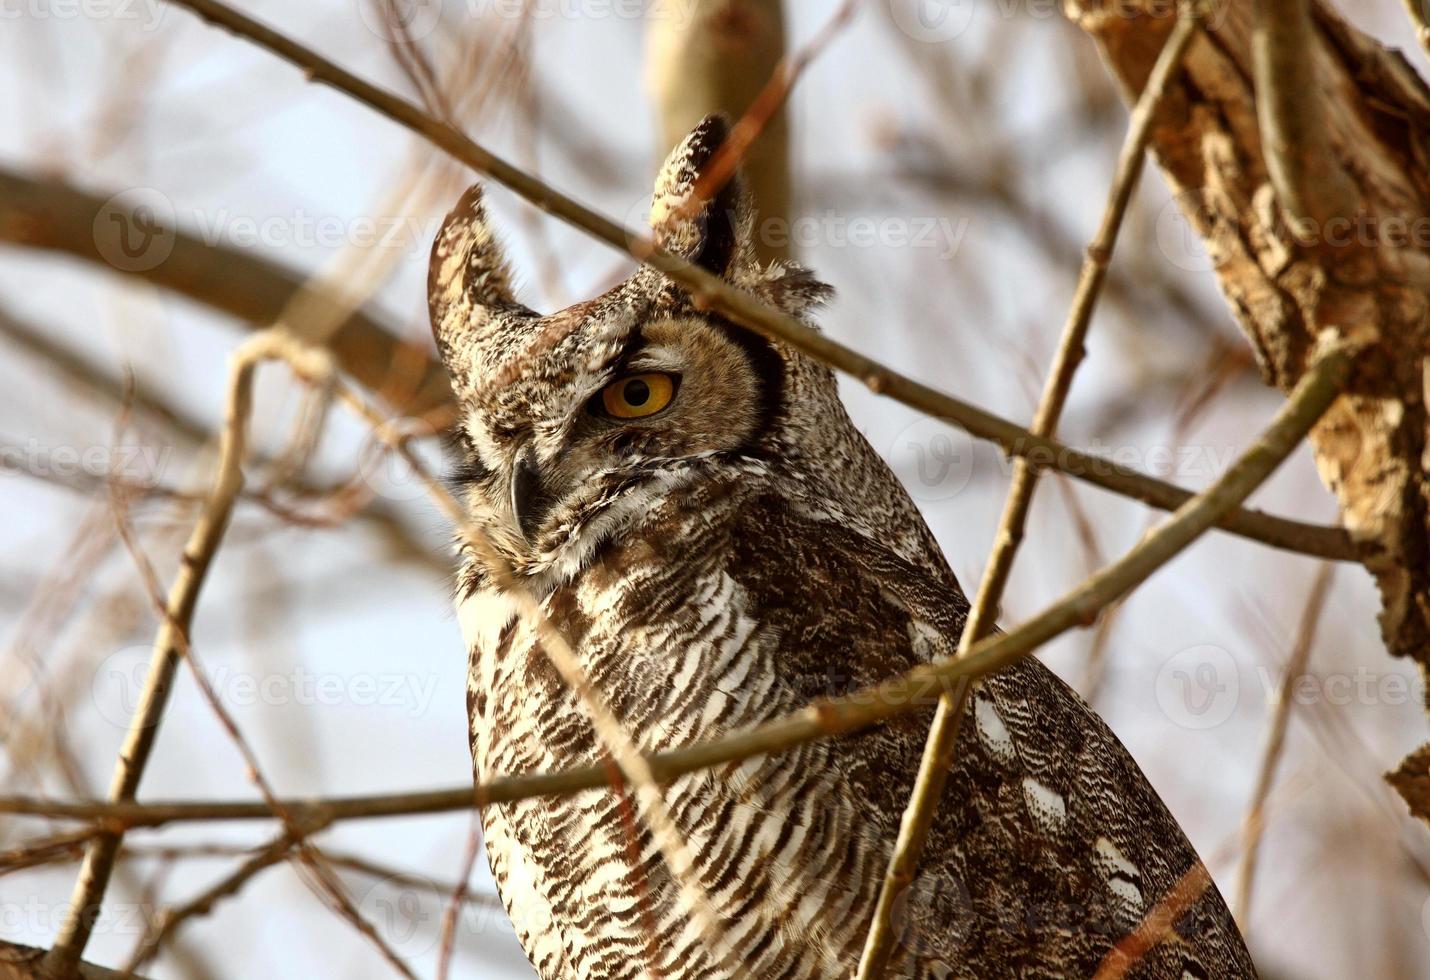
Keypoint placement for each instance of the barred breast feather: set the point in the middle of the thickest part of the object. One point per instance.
(1049, 844)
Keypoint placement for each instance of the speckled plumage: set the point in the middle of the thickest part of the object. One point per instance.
(721, 564)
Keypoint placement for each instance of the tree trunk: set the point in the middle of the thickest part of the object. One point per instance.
(1360, 265)
(705, 56)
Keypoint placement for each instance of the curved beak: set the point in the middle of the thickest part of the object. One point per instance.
(529, 502)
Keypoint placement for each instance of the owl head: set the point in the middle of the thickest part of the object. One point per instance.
(575, 422)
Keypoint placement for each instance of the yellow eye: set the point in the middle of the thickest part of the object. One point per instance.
(637, 396)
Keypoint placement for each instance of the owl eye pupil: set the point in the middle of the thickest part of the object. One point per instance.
(637, 392)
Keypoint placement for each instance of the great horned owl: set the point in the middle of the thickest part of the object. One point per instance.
(696, 511)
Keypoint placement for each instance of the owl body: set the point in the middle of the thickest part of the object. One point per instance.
(696, 512)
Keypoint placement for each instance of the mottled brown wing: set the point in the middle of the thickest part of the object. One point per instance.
(1050, 845)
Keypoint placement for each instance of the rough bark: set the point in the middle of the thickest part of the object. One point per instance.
(1364, 274)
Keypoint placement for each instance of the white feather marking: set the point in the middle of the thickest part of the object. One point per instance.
(482, 616)
(992, 730)
(1048, 807)
(1119, 871)
(924, 639)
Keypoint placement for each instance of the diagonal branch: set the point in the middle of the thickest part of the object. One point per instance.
(938, 755)
(919, 688)
(171, 918)
(1159, 924)
(51, 214)
(1254, 824)
(169, 641)
(750, 312)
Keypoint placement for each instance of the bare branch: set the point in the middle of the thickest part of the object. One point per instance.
(50, 214)
(919, 688)
(170, 640)
(1157, 926)
(938, 755)
(24, 963)
(170, 919)
(1254, 824)
(750, 312)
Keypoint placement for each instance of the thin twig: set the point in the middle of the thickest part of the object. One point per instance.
(916, 689)
(938, 754)
(750, 312)
(1416, 10)
(458, 898)
(1157, 925)
(167, 922)
(170, 639)
(1253, 825)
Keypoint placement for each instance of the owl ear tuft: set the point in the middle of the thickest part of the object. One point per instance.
(699, 208)
(468, 281)
(791, 287)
